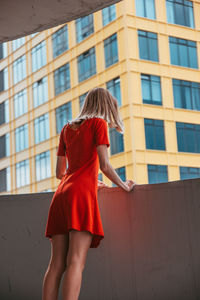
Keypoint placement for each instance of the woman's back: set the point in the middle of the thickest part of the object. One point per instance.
(80, 143)
(75, 204)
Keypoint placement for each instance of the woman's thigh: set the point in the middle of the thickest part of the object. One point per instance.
(79, 244)
(59, 249)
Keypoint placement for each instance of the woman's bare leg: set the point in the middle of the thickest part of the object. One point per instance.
(79, 244)
(56, 268)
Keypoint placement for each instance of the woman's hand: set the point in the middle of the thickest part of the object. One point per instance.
(101, 184)
(129, 185)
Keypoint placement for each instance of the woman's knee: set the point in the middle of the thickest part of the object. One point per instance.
(77, 264)
(57, 266)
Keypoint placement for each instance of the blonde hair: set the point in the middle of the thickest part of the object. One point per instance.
(99, 102)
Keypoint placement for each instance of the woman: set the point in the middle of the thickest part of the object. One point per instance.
(74, 222)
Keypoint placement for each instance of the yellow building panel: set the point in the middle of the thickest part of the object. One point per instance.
(135, 157)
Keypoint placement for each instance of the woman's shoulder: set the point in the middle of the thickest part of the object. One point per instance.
(96, 122)
(99, 120)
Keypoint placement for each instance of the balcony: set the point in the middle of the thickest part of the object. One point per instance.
(151, 248)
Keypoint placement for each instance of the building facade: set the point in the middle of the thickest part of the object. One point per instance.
(146, 53)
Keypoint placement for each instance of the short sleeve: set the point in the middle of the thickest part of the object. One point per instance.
(101, 133)
(61, 146)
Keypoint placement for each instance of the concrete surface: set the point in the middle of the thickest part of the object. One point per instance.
(23, 17)
(151, 248)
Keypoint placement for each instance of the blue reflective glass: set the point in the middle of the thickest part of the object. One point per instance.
(116, 141)
(180, 12)
(111, 50)
(148, 46)
(114, 88)
(87, 64)
(189, 173)
(188, 137)
(63, 115)
(108, 14)
(121, 173)
(193, 62)
(157, 174)
(60, 41)
(154, 134)
(145, 8)
(151, 89)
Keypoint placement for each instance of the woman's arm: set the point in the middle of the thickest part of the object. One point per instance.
(109, 171)
(60, 166)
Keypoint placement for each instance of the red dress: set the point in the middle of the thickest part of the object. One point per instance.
(74, 204)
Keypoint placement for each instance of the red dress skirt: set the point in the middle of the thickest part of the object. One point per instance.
(74, 204)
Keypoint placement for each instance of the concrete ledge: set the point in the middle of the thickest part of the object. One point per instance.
(23, 17)
(151, 248)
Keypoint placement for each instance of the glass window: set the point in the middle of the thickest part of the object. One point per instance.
(111, 50)
(114, 88)
(188, 137)
(5, 145)
(180, 12)
(145, 8)
(4, 79)
(154, 134)
(22, 173)
(148, 45)
(62, 79)
(116, 141)
(7, 136)
(183, 52)
(3, 50)
(41, 128)
(8, 179)
(60, 41)
(43, 165)
(4, 112)
(19, 69)
(84, 27)
(1, 81)
(2, 146)
(2, 180)
(86, 64)
(40, 91)
(34, 34)
(5, 180)
(18, 43)
(189, 173)
(21, 138)
(157, 174)
(100, 177)
(151, 89)
(38, 54)
(81, 100)
(108, 14)
(121, 173)
(63, 115)
(186, 94)
(20, 103)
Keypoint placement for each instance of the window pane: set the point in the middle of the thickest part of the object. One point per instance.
(150, 9)
(157, 174)
(183, 55)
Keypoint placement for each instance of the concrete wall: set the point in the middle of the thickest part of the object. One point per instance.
(151, 248)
